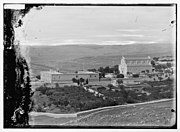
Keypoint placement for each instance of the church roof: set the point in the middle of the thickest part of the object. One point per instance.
(136, 58)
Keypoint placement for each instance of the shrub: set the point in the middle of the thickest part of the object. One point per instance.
(119, 81)
(40, 109)
(38, 77)
(135, 75)
(120, 76)
(110, 86)
(42, 89)
(74, 80)
(131, 101)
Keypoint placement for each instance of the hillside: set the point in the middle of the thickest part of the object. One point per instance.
(72, 57)
(157, 114)
(146, 115)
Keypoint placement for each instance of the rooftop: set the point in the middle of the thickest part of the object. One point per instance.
(86, 72)
(137, 58)
(51, 72)
(79, 72)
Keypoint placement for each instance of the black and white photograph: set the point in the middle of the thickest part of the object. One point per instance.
(90, 65)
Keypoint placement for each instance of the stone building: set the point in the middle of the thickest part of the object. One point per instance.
(57, 77)
(135, 65)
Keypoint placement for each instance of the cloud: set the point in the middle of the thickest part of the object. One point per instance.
(126, 42)
(129, 30)
(120, 35)
(132, 35)
(76, 42)
(117, 42)
(107, 35)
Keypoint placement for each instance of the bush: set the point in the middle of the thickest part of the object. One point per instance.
(42, 89)
(38, 77)
(74, 99)
(135, 75)
(74, 80)
(40, 109)
(131, 101)
(120, 76)
(110, 86)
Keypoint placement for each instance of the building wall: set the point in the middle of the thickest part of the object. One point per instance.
(138, 69)
(134, 65)
(46, 77)
(139, 62)
(56, 78)
(66, 78)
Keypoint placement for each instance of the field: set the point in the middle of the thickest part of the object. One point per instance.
(72, 57)
(156, 114)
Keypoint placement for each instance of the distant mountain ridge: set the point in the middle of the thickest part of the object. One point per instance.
(70, 57)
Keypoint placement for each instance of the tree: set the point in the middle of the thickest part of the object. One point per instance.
(38, 77)
(102, 75)
(116, 69)
(142, 71)
(81, 81)
(147, 71)
(160, 78)
(87, 81)
(120, 76)
(123, 91)
(169, 65)
(158, 67)
(135, 75)
(119, 82)
(106, 69)
(153, 63)
(92, 70)
(110, 86)
(101, 69)
(156, 58)
(74, 80)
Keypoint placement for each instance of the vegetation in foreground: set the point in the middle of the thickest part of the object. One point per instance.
(70, 99)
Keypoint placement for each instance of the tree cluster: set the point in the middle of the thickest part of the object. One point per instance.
(162, 66)
(105, 70)
(80, 81)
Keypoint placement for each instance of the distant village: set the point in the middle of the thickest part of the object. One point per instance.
(131, 70)
(134, 80)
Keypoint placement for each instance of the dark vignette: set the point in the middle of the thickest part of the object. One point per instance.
(17, 88)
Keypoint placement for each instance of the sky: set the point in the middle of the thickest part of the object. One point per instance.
(103, 25)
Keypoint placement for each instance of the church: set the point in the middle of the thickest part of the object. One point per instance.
(135, 65)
